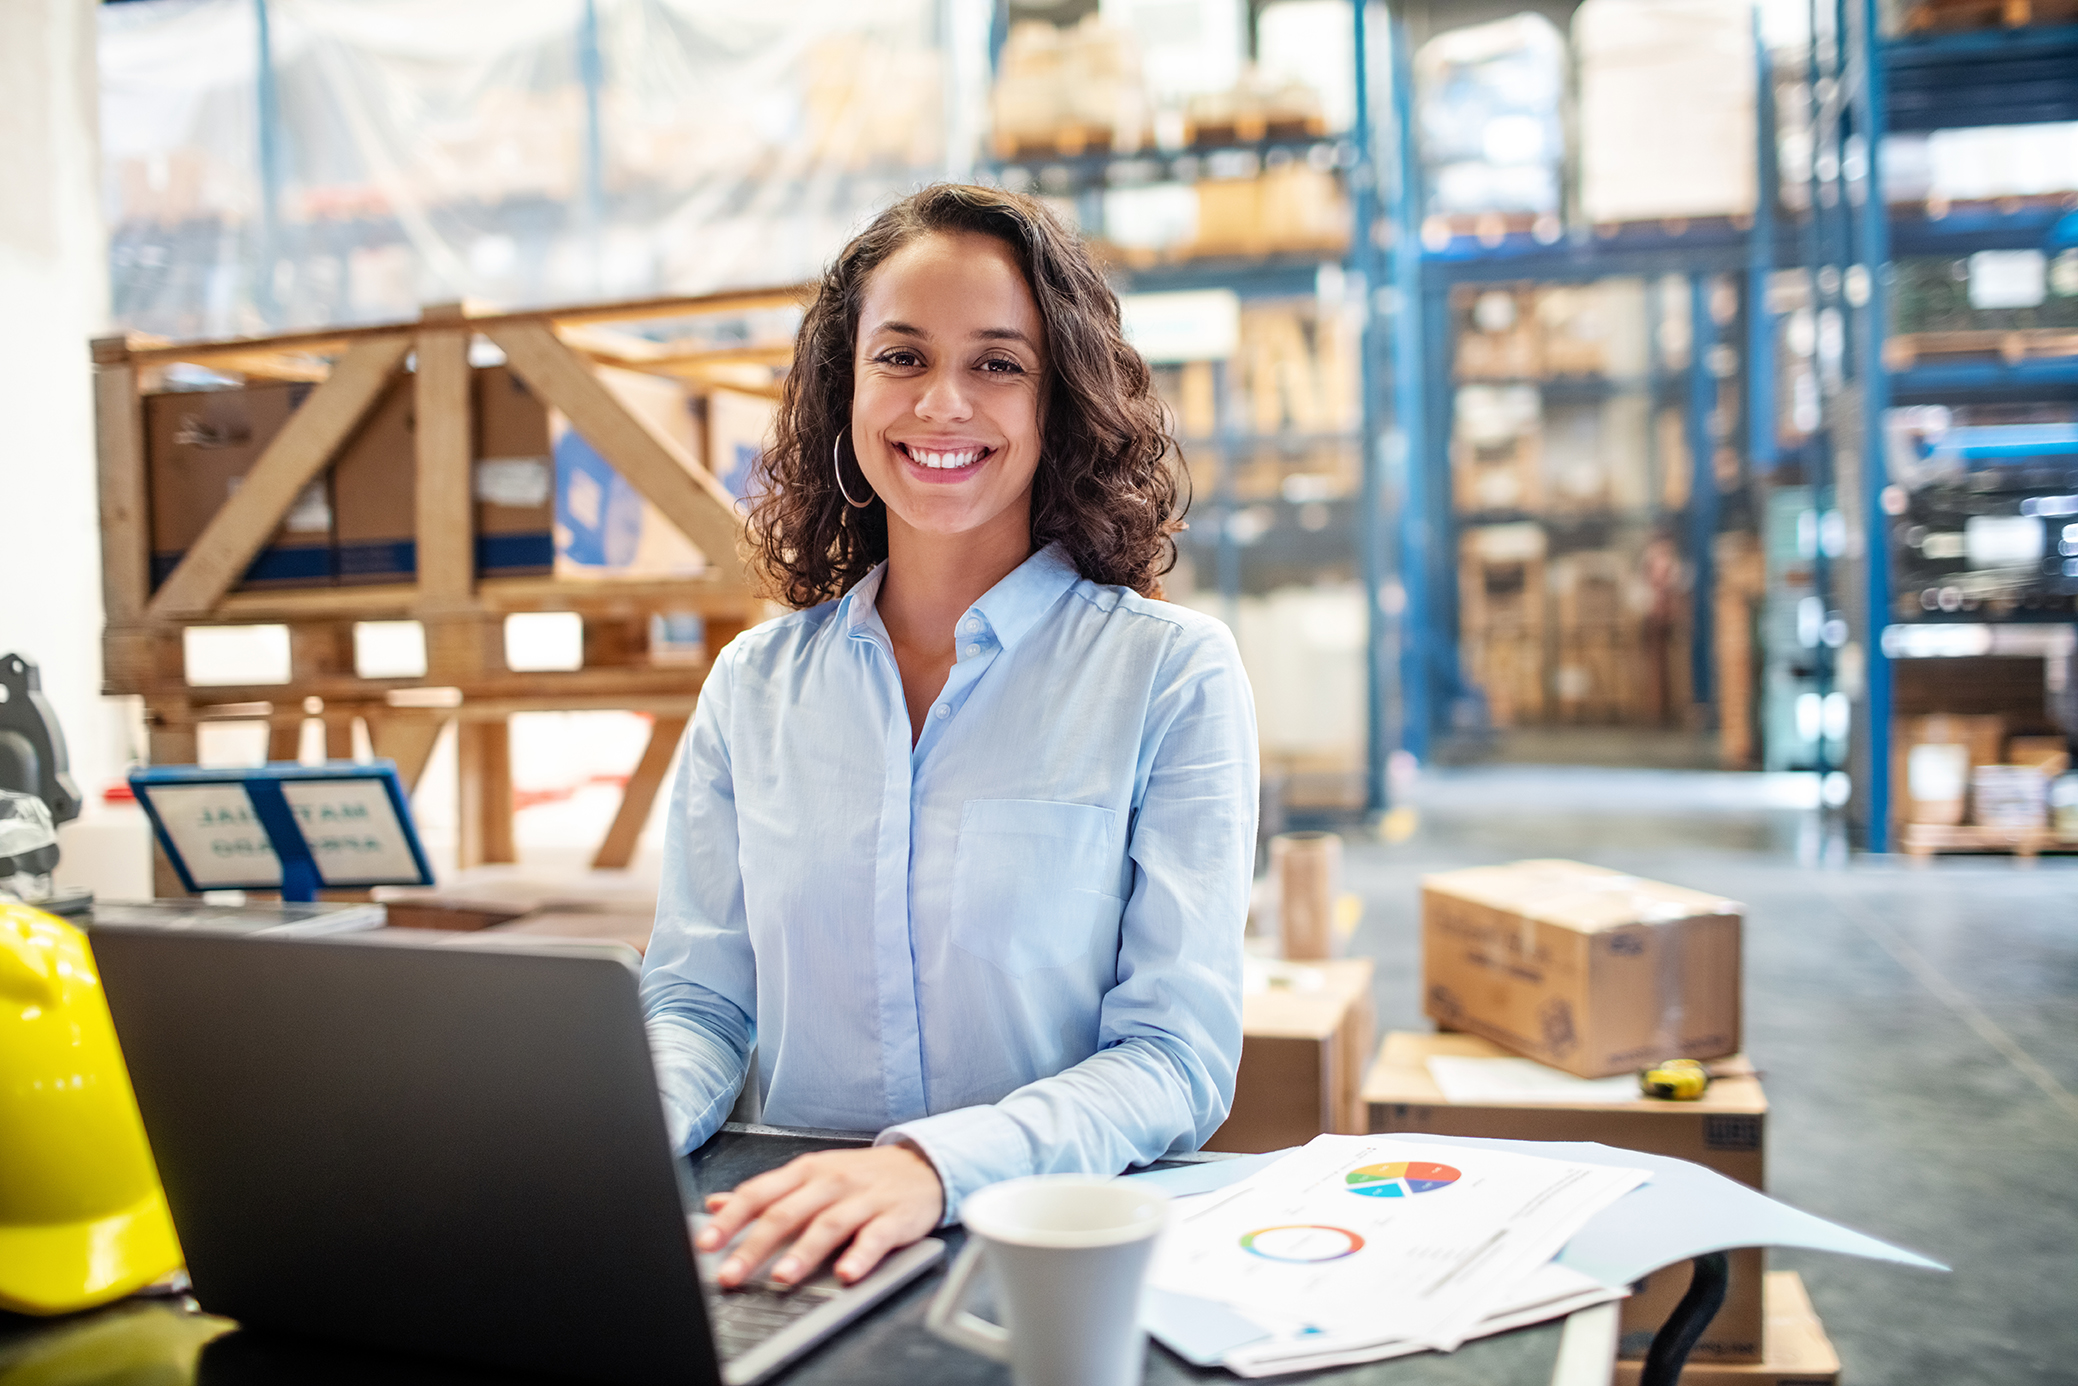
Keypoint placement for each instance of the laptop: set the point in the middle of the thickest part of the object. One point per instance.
(389, 1140)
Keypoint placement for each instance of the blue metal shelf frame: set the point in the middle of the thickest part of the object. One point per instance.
(1944, 81)
(1423, 387)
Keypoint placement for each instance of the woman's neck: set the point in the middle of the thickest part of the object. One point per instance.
(932, 579)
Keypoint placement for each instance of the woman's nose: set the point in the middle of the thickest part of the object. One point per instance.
(944, 398)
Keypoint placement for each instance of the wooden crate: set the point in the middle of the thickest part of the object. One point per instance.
(553, 351)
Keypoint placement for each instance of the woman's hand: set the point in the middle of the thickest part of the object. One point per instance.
(877, 1199)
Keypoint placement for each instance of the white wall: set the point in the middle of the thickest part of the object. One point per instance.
(53, 299)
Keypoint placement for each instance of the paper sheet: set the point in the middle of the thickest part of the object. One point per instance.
(1366, 1238)
(1684, 1211)
(1486, 1082)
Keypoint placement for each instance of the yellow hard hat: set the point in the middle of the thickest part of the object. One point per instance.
(82, 1218)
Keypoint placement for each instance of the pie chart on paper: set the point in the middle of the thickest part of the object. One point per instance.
(1400, 1179)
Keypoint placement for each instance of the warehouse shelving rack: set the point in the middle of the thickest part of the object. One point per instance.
(1422, 388)
(1911, 84)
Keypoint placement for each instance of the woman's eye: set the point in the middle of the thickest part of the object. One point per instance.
(899, 358)
(1002, 366)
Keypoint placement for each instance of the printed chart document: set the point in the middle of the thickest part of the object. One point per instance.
(1372, 1245)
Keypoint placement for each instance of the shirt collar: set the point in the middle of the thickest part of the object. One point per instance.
(1014, 605)
(1011, 608)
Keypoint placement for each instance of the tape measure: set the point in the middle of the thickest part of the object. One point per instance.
(1679, 1080)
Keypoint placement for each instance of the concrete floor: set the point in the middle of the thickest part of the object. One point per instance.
(1917, 1028)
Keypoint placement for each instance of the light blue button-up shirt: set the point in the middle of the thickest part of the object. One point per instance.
(1017, 944)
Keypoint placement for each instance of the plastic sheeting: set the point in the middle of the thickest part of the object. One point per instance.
(517, 152)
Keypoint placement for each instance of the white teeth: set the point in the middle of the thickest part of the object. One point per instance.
(945, 461)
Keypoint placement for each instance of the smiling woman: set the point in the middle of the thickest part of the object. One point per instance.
(1107, 493)
(963, 845)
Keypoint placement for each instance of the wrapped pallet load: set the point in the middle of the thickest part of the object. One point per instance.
(1490, 109)
(1668, 128)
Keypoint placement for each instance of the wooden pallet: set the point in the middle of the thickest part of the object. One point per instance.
(1923, 841)
(1927, 16)
(466, 682)
(1907, 349)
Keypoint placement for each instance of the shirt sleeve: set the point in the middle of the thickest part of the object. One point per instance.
(701, 1032)
(1169, 1037)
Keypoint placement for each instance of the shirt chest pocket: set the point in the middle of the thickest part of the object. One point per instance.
(1035, 883)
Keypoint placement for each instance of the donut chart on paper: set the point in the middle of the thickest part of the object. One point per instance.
(1400, 1179)
(1302, 1243)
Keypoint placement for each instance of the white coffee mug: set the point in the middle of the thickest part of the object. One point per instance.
(1068, 1253)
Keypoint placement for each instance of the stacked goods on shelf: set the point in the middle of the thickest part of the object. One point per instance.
(1256, 108)
(1502, 597)
(1496, 449)
(1995, 305)
(1289, 207)
(1964, 784)
(1985, 527)
(1489, 103)
(1293, 369)
(1497, 334)
(1596, 630)
(1594, 329)
(1742, 591)
(1065, 91)
(1932, 16)
(1595, 455)
(1668, 122)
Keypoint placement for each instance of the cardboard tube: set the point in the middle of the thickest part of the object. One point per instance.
(1308, 871)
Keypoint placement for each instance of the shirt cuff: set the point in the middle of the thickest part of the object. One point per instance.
(970, 1148)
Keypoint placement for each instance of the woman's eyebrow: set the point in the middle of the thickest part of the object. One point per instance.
(1006, 334)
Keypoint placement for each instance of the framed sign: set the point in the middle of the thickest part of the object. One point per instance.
(298, 829)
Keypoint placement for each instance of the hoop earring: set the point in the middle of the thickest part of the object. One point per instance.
(837, 467)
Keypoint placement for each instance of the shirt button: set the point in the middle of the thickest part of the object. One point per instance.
(974, 649)
(943, 709)
(973, 624)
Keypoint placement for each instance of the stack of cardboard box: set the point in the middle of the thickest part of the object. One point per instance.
(1599, 973)
(1595, 630)
(1501, 602)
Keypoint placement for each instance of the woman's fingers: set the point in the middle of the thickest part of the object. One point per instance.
(731, 1211)
(876, 1199)
(825, 1232)
(882, 1233)
(775, 1225)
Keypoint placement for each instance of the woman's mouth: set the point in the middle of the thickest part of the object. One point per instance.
(945, 463)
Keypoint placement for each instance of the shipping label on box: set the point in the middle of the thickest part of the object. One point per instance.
(1588, 970)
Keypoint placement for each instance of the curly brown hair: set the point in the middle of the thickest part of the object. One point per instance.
(1104, 491)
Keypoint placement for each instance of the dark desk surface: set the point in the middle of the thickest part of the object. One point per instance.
(144, 1342)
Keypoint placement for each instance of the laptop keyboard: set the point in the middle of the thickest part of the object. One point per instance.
(744, 1317)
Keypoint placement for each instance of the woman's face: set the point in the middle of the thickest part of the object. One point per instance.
(946, 387)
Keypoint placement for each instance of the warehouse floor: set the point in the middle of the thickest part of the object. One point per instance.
(1917, 1028)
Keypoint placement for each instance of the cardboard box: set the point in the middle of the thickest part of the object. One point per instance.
(375, 493)
(739, 428)
(1795, 1349)
(1935, 758)
(515, 478)
(199, 444)
(1724, 1130)
(603, 526)
(1579, 967)
(1304, 1039)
